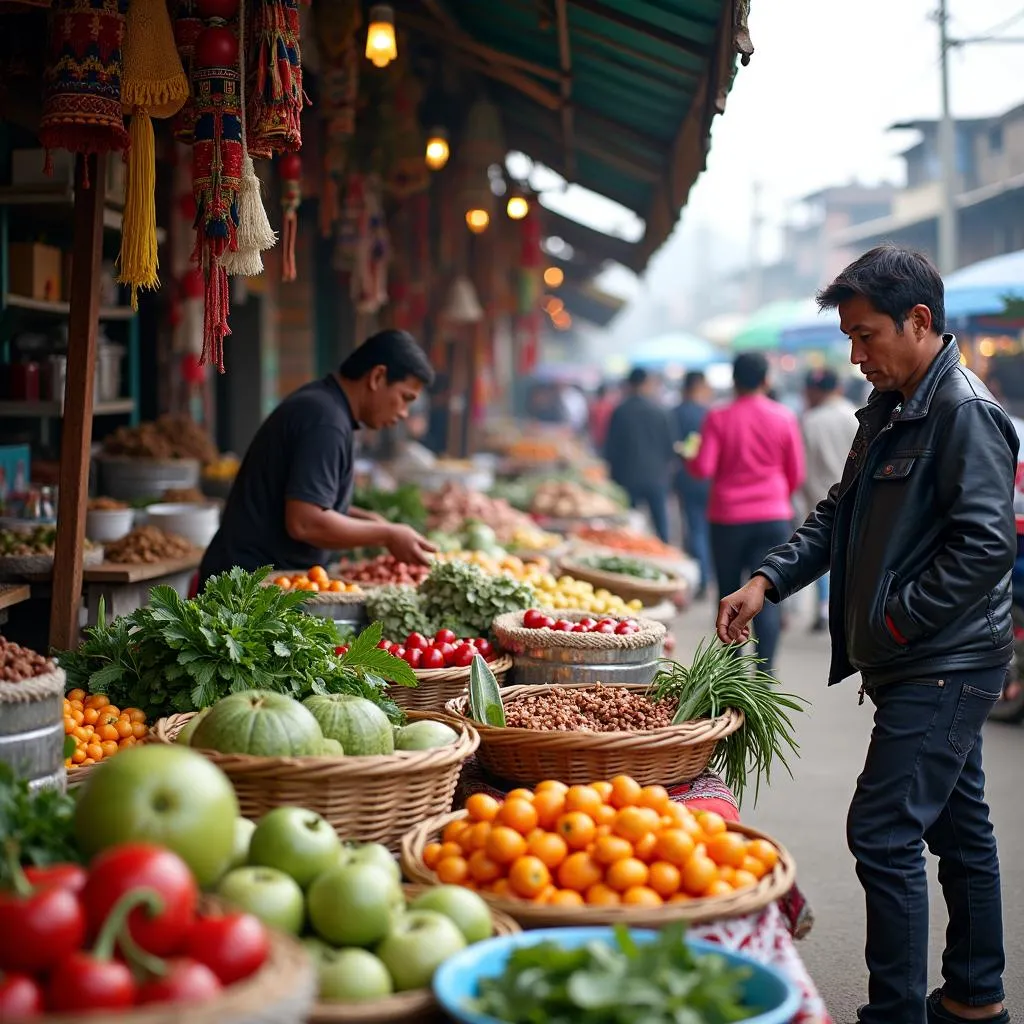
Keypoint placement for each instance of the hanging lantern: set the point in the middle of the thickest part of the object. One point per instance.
(462, 306)
(482, 145)
(554, 276)
(518, 205)
(438, 149)
(381, 45)
(477, 220)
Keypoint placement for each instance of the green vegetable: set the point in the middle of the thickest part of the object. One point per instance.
(177, 655)
(39, 822)
(623, 982)
(484, 696)
(721, 677)
(402, 505)
(625, 566)
(400, 611)
(464, 598)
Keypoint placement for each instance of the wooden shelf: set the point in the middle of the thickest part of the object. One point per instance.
(60, 195)
(63, 308)
(12, 594)
(45, 410)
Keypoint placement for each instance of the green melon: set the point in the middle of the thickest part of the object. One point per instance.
(425, 735)
(185, 734)
(356, 723)
(260, 723)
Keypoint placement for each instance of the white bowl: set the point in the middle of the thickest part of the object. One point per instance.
(195, 523)
(103, 525)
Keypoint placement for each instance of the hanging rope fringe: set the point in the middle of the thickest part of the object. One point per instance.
(139, 262)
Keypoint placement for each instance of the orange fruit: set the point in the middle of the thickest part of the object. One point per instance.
(655, 797)
(602, 895)
(313, 587)
(727, 874)
(475, 837)
(95, 751)
(579, 871)
(754, 867)
(452, 870)
(698, 873)
(548, 847)
(75, 694)
(89, 717)
(549, 804)
(603, 790)
(453, 829)
(318, 574)
(626, 873)
(605, 815)
(545, 894)
(528, 876)
(336, 587)
(625, 791)
(504, 845)
(482, 869)
(609, 849)
(109, 748)
(124, 728)
(135, 714)
(482, 807)
(97, 700)
(500, 887)
(680, 897)
(78, 756)
(565, 898)
(108, 732)
(577, 829)
(718, 888)
(139, 730)
(727, 848)
(583, 798)
(449, 849)
(675, 846)
(641, 896)
(711, 824)
(764, 851)
(432, 854)
(550, 785)
(520, 794)
(743, 880)
(664, 878)
(283, 582)
(519, 814)
(633, 823)
(646, 847)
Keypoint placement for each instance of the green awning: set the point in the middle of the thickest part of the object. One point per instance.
(763, 331)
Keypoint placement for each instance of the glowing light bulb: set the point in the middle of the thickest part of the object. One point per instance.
(553, 276)
(517, 207)
(381, 45)
(477, 220)
(438, 150)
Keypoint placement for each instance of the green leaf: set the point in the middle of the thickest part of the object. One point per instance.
(69, 746)
(105, 677)
(484, 696)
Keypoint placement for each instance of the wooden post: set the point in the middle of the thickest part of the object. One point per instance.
(76, 431)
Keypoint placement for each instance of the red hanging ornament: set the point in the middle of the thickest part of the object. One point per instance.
(274, 87)
(289, 167)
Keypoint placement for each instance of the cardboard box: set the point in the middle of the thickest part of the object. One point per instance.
(35, 271)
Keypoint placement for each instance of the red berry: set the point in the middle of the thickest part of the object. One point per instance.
(464, 656)
(416, 642)
(414, 656)
(484, 646)
(444, 636)
(533, 619)
(398, 651)
(432, 658)
(563, 626)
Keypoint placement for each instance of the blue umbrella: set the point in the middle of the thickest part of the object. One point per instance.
(811, 329)
(983, 288)
(675, 349)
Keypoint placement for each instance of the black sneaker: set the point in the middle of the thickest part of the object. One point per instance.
(938, 1014)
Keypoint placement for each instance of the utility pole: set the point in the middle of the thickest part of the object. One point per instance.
(948, 242)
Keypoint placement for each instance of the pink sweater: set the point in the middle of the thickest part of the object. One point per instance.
(752, 452)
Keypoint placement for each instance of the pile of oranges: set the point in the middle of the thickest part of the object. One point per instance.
(316, 581)
(605, 844)
(100, 729)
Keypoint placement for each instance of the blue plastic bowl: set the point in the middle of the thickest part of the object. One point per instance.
(458, 979)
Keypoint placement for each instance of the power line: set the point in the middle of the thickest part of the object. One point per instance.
(994, 32)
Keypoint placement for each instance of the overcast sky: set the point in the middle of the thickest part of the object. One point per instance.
(826, 80)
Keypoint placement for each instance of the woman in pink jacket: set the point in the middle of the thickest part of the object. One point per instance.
(752, 452)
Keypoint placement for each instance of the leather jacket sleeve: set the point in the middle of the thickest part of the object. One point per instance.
(975, 501)
(805, 556)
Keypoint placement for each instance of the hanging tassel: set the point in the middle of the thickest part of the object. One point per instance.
(139, 262)
(289, 230)
(255, 235)
(289, 167)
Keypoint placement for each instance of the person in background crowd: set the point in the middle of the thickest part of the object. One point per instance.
(601, 409)
(688, 419)
(752, 453)
(638, 449)
(919, 535)
(829, 426)
(574, 402)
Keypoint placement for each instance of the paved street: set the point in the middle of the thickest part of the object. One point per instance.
(808, 813)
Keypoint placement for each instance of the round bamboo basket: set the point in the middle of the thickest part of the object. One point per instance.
(282, 991)
(629, 588)
(417, 1007)
(774, 885)
(438, 686)
(514, 637)
(668, 757)
(372, 799)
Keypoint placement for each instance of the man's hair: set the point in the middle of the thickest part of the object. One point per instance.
(749, 371)
(396, 351)
(894, 280)
(693, 379)
(637, 377)
(822, 380)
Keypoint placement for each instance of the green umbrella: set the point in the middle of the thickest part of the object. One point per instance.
(763, 331)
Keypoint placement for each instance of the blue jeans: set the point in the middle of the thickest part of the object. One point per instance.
(698, 533)
(821, 589)
(923, 783)
(655, 497)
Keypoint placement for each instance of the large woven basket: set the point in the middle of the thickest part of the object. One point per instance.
(439, 685)
(667, 757)
(367, 799)
(514, 637)
(774, 885)
(282, 991)
(629, 588)
(417, 1007)
(32, 728)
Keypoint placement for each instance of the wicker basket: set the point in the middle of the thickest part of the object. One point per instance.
(367, 799)
(417, 1007)
(32, 728)
(774, 885)
(514, 637)
(667, 757)
(439, 685)
(629, 588)
(282, 991)
(14, 567)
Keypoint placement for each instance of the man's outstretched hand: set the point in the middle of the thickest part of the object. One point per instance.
(408, 546)
(736, 611)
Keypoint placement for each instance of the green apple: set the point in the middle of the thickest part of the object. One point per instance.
(164, 794)
(371, 853)
(244, 828)
(314, 947)
(353, 904)
(352, 976)
(298, 842)
(463, 906)
(417, 945)
(274, 897)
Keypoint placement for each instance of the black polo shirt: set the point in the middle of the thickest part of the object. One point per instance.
(303, 451)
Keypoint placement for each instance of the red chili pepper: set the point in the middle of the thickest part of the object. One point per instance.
(232, 946)
(183, 981)
(37, 926)
(20, 997)
(61, 876)
(94, 980)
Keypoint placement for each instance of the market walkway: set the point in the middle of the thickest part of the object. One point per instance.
(808, 813)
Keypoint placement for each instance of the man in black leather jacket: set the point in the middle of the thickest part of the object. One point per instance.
(919, 536)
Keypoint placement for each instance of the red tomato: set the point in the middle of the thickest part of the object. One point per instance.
(579, 628)
(61, 876)
(82, 980)
(343, 649)
(588, 624)
(546, 622)
(39, 928)
(432, 658)
(464, 656)
(607, 622)
(448, 650)
(186, 981)
(384, 645)
(398, 651)
(624, 629)
(604, 627)
(416, 642)
(413, 656)
(563, 626)
(233, 946)
(484, 646)
(20, 997)
(444, 636)
(141, 865)
(533, 619)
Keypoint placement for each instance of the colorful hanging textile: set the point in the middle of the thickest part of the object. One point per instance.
(275, 77)
(373, 250)
(289, 167)
(188, 27)
(82, 87)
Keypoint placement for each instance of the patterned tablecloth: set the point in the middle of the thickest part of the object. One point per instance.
(768, 936)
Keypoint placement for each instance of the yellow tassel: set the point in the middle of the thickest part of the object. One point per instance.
(138, 262)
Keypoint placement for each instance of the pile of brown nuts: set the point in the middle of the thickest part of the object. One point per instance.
(146, 545)
(590, 709)
(19, 663)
